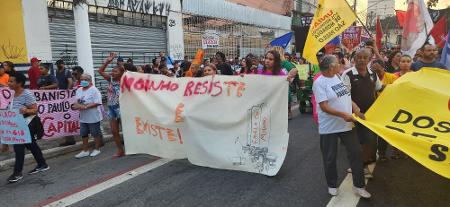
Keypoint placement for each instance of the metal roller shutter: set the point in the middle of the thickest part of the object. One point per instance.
(141, 44)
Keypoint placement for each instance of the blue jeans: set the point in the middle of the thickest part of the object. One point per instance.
(114, 112)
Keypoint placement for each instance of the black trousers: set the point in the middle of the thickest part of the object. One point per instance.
(19, 150)
(329, 147)
(368, 140)
(382, 146)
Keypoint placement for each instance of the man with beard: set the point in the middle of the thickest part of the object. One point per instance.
(65, 82)
(428, 58)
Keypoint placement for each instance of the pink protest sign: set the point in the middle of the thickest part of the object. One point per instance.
(54, 109)
(5, 97)
(56, 113)
(351, 37)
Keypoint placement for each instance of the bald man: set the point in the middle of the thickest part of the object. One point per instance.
(363, 85)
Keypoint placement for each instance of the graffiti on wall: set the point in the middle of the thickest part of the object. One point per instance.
(141, 6)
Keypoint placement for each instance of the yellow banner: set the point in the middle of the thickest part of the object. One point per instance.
(413, 115)
(332, 17)
(12, 37)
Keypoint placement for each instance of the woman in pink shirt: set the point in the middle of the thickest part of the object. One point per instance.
(272, 65)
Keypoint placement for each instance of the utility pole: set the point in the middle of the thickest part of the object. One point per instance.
(354, 9)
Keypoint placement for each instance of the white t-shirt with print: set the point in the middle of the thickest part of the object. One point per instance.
(91, 95)
(338, 96)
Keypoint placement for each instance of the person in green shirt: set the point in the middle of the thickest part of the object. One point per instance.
(292, 70)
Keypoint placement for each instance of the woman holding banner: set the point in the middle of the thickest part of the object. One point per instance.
(335, 107)
(291, 69)
(25, 102)
(273, 65)
(113, 101)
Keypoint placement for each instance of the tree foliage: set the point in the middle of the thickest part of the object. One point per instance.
(432, 3)
(79, 2)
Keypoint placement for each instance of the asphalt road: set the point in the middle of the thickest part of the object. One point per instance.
(300, 181)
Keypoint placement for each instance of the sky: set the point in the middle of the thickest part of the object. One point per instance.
(401, 4)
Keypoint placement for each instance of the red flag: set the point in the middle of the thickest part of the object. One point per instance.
(439, 32)
(401, 16)
(379, 33)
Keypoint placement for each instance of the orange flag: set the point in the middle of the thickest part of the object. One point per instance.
(196, 62)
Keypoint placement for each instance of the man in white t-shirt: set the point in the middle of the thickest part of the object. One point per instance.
(89, 103)
(334, 107)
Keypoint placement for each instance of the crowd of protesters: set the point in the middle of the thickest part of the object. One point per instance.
(341, 89)
(89, 98)
(344, 84)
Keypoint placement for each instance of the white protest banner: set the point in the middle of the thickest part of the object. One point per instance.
(210, 39)
(13, 128)
(56, 113)
(226, 122)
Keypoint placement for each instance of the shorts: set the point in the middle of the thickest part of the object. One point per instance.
(90, 128)
(114, 112)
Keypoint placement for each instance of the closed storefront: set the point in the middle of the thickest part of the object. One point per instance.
(132, 35)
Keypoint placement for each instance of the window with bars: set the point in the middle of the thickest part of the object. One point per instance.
(236, 39)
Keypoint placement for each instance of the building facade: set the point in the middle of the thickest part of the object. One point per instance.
(237, 29)
(85, 32)
(136, 29)
(302, 16)
(380, 9)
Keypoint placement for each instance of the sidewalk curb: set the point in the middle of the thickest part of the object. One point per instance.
(49, 153)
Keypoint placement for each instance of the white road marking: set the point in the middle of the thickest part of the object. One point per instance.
(346, 196)
(79, 196)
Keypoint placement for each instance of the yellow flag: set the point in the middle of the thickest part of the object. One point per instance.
(413, 115)
(332, 17)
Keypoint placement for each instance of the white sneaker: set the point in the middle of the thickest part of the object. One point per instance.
(349, 170)
(95, 153)
(333, 191)
(82, 154)
(362, 192)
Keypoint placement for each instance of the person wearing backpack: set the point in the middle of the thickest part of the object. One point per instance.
(65, 82)
(363, 85)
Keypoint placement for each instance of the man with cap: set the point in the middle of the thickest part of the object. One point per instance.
(34, 73)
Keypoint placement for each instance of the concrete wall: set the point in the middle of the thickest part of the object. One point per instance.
(275, 6)
(37, 32)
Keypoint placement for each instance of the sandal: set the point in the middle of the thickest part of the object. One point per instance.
(119, 154)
